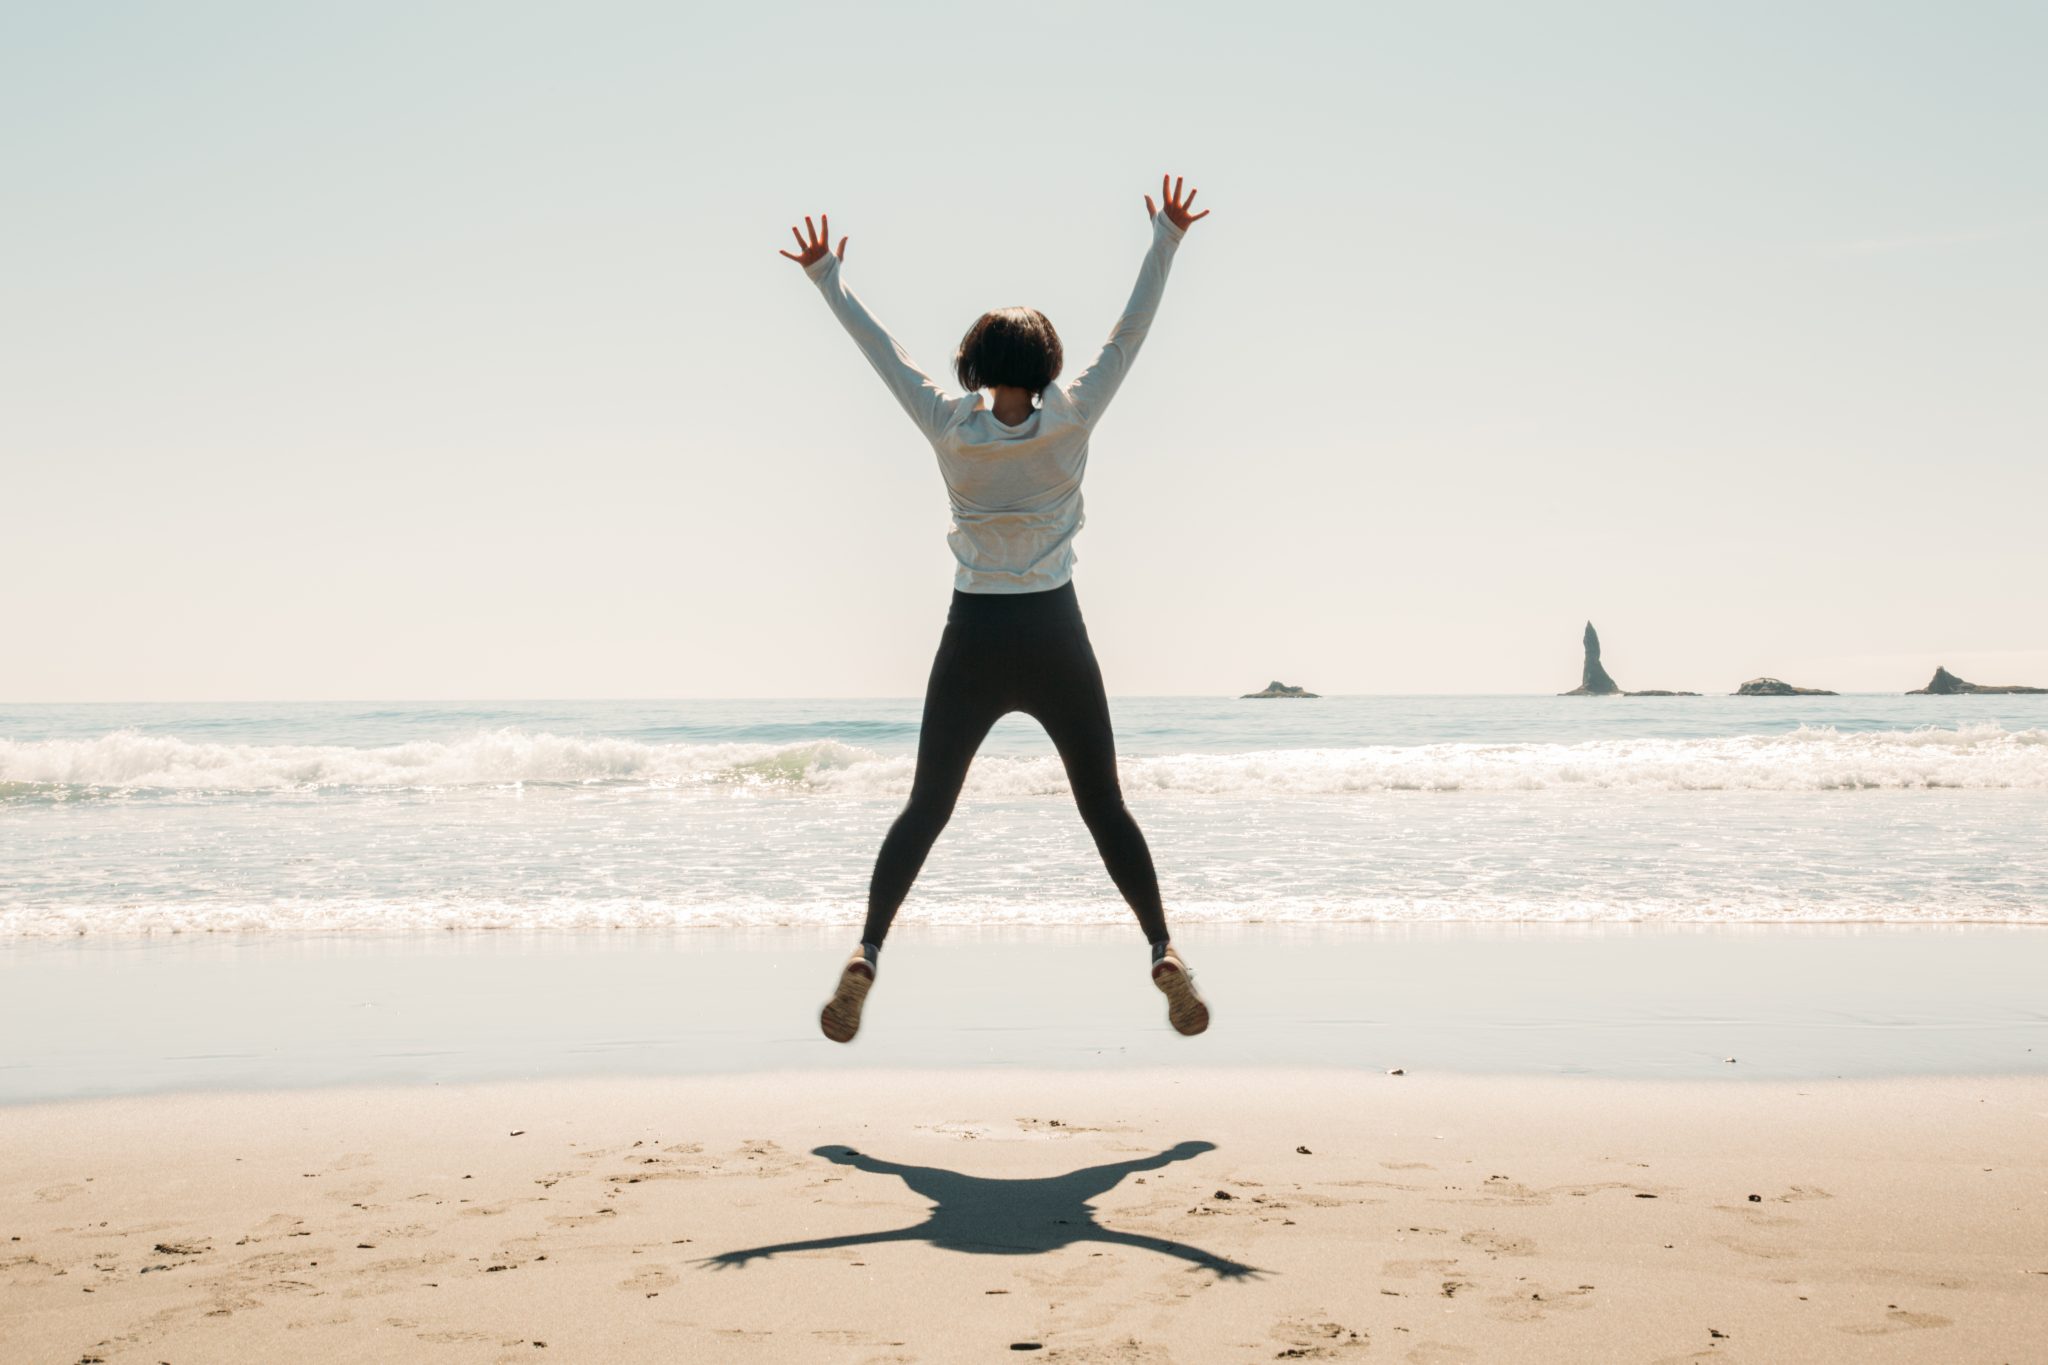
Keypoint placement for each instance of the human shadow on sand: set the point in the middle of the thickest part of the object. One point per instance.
(993, 1217)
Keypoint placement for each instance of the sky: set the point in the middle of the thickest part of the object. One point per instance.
(434, 350)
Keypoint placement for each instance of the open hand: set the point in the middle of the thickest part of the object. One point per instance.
(820, 240)
(1176, 207)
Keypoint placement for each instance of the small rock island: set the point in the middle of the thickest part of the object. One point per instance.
(1778, 687)
(1279, 689)
(1947, 684)
(1594, 681)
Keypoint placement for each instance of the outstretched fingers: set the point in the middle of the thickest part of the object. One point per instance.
(1180, 200)
(813, 240)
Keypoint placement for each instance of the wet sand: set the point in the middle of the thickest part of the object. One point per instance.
(254, 1011)
(1144, 1215)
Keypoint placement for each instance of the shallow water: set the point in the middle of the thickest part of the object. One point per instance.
(325, 817)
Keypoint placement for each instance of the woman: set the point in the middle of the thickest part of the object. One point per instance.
(1014, 638)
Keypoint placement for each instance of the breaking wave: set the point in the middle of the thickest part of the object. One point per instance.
(1983, 756)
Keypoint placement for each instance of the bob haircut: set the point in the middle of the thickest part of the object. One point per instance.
(1013, 346)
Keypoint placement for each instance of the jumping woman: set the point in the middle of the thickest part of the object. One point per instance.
(1012, 447)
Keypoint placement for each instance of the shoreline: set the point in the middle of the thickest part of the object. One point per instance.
(1789, 1002)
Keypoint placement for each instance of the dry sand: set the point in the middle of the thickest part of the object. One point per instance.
(1082, 1216)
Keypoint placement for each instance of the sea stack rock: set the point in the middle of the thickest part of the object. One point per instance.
(1947, 684)
(1279, 689)
(1593, 679)
(1777, 687)
(1594, 682)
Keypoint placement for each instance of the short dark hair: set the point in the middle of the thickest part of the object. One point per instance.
(1009, 346)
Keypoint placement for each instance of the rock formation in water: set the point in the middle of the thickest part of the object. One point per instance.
(1593, 679)
(1947, 684)
(1777, 687)
(1280, 689)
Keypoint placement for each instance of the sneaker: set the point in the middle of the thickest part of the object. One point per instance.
(840, 1019)
(1185, 1009)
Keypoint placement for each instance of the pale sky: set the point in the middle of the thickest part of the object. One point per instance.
(438, 351)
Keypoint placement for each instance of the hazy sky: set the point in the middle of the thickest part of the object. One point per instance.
(438, 350)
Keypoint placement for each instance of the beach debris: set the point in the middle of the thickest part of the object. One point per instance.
(1027, 1346)
(1729, 1060)
(181, 1248)
(1717, 1332)
(517, 1132)
(1223, 1194)
(1303, 1151)
(1756, 1199)
(1397, 1071)
(1641, 1195)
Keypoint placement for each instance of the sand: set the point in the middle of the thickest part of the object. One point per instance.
(1145, 1216)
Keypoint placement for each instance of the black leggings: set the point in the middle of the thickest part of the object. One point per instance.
(1004, 652)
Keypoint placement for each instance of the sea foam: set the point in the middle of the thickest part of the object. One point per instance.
(1982, 756)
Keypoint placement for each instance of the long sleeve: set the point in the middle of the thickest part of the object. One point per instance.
(1095, 386)
(928, 405)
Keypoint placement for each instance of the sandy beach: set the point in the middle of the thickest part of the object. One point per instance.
(1141, 1215)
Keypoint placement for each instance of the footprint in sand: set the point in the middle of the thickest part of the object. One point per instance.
(1898, 1320)
(54, 1194)
(400, 1234)
(1498, 1243)
(1440, 1353)
(1531, 1302)
(1761, 1252)
(1803, 1192)
(649, 1280)
(1314, 1339)
(277, 1225)
(581, 1220)
(1409, 1270)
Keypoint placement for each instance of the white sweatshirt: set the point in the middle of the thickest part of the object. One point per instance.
(1016, 491)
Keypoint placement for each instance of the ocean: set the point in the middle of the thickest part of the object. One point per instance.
(393, 817)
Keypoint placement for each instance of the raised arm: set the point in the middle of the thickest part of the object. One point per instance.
(928, 405)
(1095, 386)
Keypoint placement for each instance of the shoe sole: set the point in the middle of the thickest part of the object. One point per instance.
(840, 1019)
(1184, 1009)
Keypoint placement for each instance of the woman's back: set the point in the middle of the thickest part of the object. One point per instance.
(1015, 490)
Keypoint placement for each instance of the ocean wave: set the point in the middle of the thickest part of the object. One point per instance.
(430, 914)
(1820, 758)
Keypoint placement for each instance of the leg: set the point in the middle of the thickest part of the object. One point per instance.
(1070, 703)
(962, 700)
